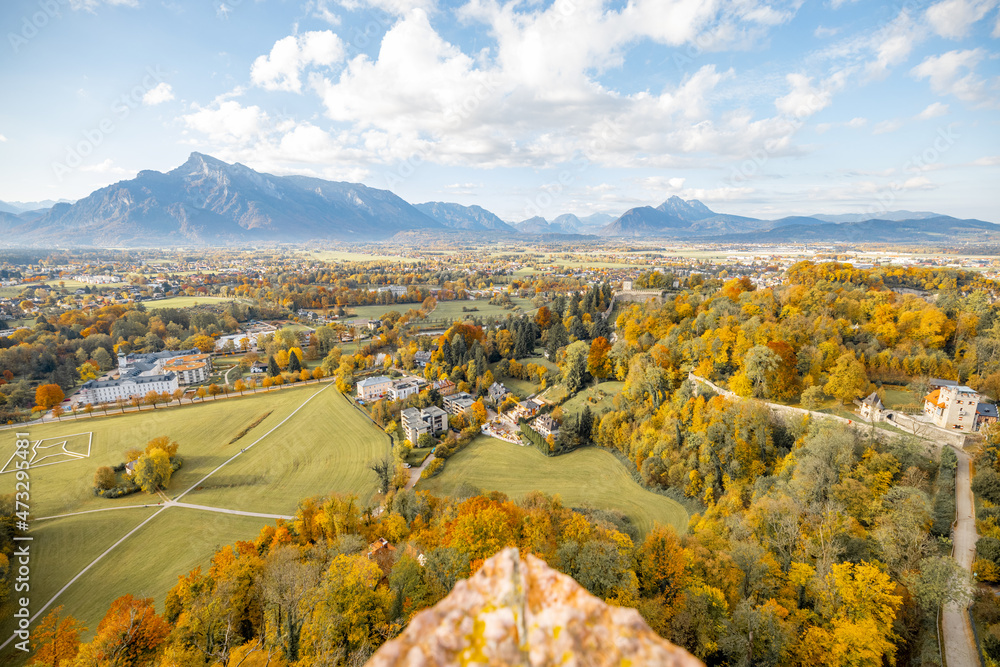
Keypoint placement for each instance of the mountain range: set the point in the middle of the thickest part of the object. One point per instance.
(206, 201)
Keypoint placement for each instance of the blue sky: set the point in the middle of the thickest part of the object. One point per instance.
(525, 108)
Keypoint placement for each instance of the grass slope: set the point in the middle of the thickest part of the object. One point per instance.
(203, 432)
(324, 447)
(187, 302)
(587, 476)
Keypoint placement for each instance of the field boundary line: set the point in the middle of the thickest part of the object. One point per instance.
(84, 571)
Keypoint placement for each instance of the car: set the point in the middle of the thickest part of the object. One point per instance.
(407, 465)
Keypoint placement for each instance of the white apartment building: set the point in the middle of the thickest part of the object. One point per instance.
(952, 407)
(96, 392)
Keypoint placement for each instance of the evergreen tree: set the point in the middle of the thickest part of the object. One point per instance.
(272, 367)
(293, 363)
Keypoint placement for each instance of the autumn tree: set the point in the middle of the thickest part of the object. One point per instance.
(104, 478)
(152, 470)
(214, 390)
(598, 363)
(848, 379)
(129, 635)
(48, 396)
(56, 639)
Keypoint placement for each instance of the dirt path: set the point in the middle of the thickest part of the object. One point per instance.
(959, 642)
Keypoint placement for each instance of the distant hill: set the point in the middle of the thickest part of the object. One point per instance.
(567, 223)
(208, 201)
(22, 206)
(456, 216)
(677, 218)
(924, 230)
(887, 215)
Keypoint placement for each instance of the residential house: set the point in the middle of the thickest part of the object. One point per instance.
(457, 404)
(952, 407)
(403, 389)
(497, 393)
(258, 367)
(374, 387)
(445, 387)
(546, 426)
(986, 414)
(871, 407)
(525, 409)
(422, 358)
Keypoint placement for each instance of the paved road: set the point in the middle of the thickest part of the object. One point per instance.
(415, 472)
(959, 642)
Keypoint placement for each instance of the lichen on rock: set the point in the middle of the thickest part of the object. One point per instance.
(517, 612)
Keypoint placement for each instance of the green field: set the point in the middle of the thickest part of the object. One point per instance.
(452, 310)
(298, 459)
(599, 397)
(589, 476)
(187, 302)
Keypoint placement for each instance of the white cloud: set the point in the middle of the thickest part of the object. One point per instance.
(228, 122)
(856, 123)
(953, 73)
(321, 10)
(107, 167)
(534, 98)
(3, 139)
(953, 18)
(887, 126)
(158, 95)
(918, 183)
(822, 32)
(805, 99)
(893, 44)
(280, 69)
(933, 110)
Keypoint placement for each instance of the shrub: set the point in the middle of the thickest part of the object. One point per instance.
(433, 469)
(986, 484)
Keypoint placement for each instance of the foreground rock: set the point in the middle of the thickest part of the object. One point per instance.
(522, 612)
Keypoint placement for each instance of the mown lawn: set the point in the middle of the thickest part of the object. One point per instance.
(324, 447)
(186, 302)
(146, 565)
(599, 397)
(202, 431)
(589, 476)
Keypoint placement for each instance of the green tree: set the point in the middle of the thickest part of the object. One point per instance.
(272, 367)
(574, 369)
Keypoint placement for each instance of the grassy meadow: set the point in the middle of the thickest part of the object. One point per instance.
(588, 476)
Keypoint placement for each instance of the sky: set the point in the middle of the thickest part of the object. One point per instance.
(528, 107)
